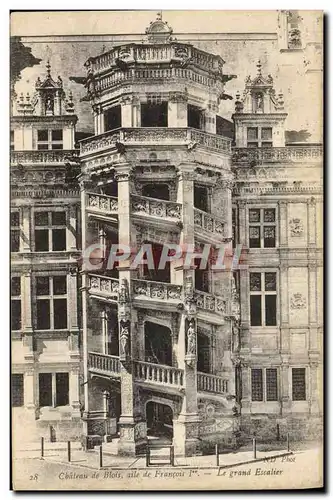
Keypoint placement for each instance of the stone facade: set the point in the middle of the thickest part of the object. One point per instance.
(200, 356)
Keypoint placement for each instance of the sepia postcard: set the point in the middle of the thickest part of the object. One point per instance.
(166, 192)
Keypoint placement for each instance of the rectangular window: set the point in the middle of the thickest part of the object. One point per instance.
(45, 389)
(112, 118)
(262, 228)
(49, 139)
(264, 383)
(271, 384)
(51, 302)
(15, 290)
(17, 384)
(62, 389)
(257, 384)
(50, 231)
(259, 137)
(263, 308)
(53, 389)
(194, 116)
(15, 231)
(154, 114)
(298, 384)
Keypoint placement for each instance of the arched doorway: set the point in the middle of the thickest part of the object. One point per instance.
(158, 344)
(159, 419)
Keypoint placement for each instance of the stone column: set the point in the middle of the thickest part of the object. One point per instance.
(136, 112)
(313, 324)
(131, 422)
(246, 387)
(29, 388)
(244, 292)
(126, 111)
(72, 229)
(177, 110)
(210, 120)
(74, 394)
(314, 390)
(27, 326)
(25, 237)
(105, 330)
(285, 386)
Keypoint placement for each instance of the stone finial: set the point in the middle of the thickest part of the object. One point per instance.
(48, 68)
(259, 66)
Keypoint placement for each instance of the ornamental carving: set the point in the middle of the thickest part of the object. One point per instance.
(297, 301)
(296, 227)
(191, 337)
(124, 340)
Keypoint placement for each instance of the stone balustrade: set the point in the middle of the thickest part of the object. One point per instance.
(101, 203)
(209, 223)
(142, 205)
(158, 374)
(154, 135)
(103, 363)
(43, 156)
(211, 303)
(277, 155)
(207, 382)
(103, 286)
(156, 290)
(154, 54)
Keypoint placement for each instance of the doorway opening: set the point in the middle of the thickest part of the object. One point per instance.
(158, 344)
(159, 420)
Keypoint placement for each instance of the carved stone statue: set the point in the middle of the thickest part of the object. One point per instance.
(49, 105)
(123, 291)
(124, 339)
(260, 103)
(191, 339)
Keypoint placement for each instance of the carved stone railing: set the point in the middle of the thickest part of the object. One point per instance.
(211, 383)
(103, 363)
(208, 222)
(142, 205)
(43, 156)
(103, 286)
(154, 135)
(156, 290)
(101, 203)
(277, 155)
(211, 141)
(153, 54)
(158, 374)
(211, 303)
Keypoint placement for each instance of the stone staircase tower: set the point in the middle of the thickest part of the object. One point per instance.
(156, 342)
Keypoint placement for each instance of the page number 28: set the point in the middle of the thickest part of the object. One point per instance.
(34, 477)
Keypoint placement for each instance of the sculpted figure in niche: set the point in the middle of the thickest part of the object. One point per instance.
(124, 339)
(191, 338)
(260, 103)
(49, 105)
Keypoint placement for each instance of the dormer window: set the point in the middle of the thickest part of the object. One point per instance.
(49, 139)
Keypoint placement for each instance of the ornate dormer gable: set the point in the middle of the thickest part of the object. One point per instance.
(259, 95)
(259, 113)
(48, 100)
(159, 31)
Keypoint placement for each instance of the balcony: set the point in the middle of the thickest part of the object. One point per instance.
(103, 364)
(158, 374)
(147, 136)
(52, 156)
(153, 207)
(210, 303)
(157, 291)
(212, 383)
(103, 287)
(287, 154)
(101, 204)
(208, 223)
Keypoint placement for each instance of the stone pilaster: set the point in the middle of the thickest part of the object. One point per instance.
(313, 324)
(285, 386)
(72, 228)
(312, 222)
(29, 388)
(74, 395)
(177, 110)
(246, 387)
(314, 389)
(25, 238)
(284, 308)
(126, 111)
(283, 218)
